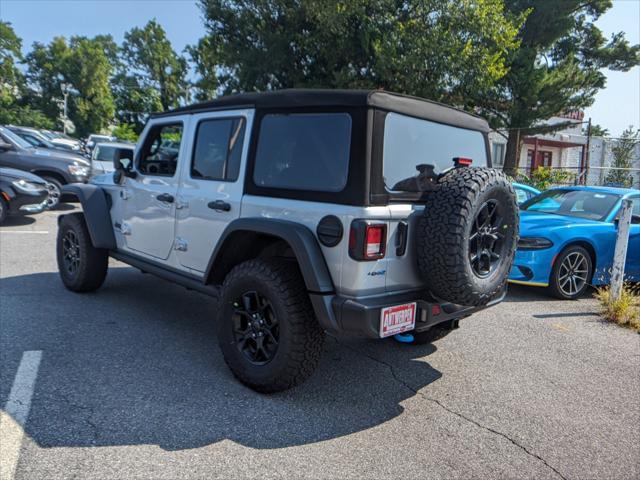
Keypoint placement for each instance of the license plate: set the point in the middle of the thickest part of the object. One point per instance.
(397, 319)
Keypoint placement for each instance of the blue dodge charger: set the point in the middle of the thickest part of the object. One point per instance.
(567, 239)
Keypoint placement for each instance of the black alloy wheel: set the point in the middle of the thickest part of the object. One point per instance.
(71, 252)
(255, 328)
(485, 241)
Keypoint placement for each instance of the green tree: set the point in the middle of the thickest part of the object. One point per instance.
(125, 131)
(46, 69)
(557, 68)
(623, 154)
(204, 57)
(596, 131)
(14, 106)
(81, 63)
(149, 56)
(88, 69)
(440, 49)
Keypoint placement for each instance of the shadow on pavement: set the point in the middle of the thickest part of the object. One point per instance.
(137, 362)
(18, 221)
(523, 293)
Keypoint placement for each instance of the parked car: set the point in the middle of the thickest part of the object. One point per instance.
(35, 138)
(524, 192)
(57, 168)
(21, 193)
(64, 141)
(568, 236)
(93, 139)
(290, 235)
(106, 155)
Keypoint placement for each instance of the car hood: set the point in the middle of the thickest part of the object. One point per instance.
(58, 155)
(534, 222)
(13, 174)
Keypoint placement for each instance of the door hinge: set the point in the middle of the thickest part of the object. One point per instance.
(125, 194)
(180, 244)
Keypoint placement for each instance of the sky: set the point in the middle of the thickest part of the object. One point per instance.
(616, 107)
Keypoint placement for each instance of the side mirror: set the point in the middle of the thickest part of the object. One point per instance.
(4, 146)
(123, 163)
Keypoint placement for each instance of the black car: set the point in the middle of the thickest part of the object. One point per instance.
(21, 193)
(57, 168)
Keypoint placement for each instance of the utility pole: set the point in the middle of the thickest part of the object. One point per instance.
(620, 252)
(588, 153)
(65, 92)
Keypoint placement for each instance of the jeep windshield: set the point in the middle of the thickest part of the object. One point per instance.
(415, 151)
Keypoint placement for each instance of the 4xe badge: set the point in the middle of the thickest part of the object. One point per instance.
(398, 319)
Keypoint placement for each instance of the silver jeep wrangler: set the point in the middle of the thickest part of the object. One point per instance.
(360, 213)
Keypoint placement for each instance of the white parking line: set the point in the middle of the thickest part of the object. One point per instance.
(16, 412)
(25, 231)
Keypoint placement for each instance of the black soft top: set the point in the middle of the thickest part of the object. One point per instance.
(301, 98)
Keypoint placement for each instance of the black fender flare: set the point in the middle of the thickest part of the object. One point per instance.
(302, 241)
(97, 214)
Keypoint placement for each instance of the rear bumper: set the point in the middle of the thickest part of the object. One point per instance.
(361, 317)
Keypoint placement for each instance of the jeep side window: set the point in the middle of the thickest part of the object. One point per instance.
(218, 149)
(159, 155)
(305, 151)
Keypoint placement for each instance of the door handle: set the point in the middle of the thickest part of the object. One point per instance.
(219, 206)
(165, 197)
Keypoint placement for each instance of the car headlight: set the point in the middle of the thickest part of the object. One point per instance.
(534, 243)
(25, 186)
(78, 170)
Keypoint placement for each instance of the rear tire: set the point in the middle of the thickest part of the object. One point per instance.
(268, 334)
(571, 273)
(82, 267)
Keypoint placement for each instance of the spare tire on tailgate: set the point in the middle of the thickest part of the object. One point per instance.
(467, 235)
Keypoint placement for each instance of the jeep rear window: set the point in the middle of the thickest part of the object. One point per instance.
(409, 142)
(307, 151)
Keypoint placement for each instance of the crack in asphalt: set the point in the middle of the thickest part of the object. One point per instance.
(94, 428)
(458, 414)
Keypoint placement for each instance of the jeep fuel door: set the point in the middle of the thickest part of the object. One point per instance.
(149, 197)
(210, 194)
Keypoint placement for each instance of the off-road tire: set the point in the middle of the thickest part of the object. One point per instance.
(92, 262)
(4, 210)
(300, 336)
(444, 235)
(554, 281)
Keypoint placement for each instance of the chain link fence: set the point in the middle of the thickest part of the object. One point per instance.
(570, 158)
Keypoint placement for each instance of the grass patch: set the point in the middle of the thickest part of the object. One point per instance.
(626, 310)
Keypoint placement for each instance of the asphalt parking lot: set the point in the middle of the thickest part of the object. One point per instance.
(130, 384)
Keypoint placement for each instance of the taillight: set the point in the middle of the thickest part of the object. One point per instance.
(367, 240)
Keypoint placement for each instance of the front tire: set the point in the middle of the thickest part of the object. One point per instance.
(82, 267)
(571, 273)
(268, 334)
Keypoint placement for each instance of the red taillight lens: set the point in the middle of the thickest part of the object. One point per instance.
(374, 241)
(367, 240)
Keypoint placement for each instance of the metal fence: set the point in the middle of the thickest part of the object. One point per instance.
(594, 176)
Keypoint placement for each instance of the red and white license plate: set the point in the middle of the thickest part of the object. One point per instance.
(397, 319)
